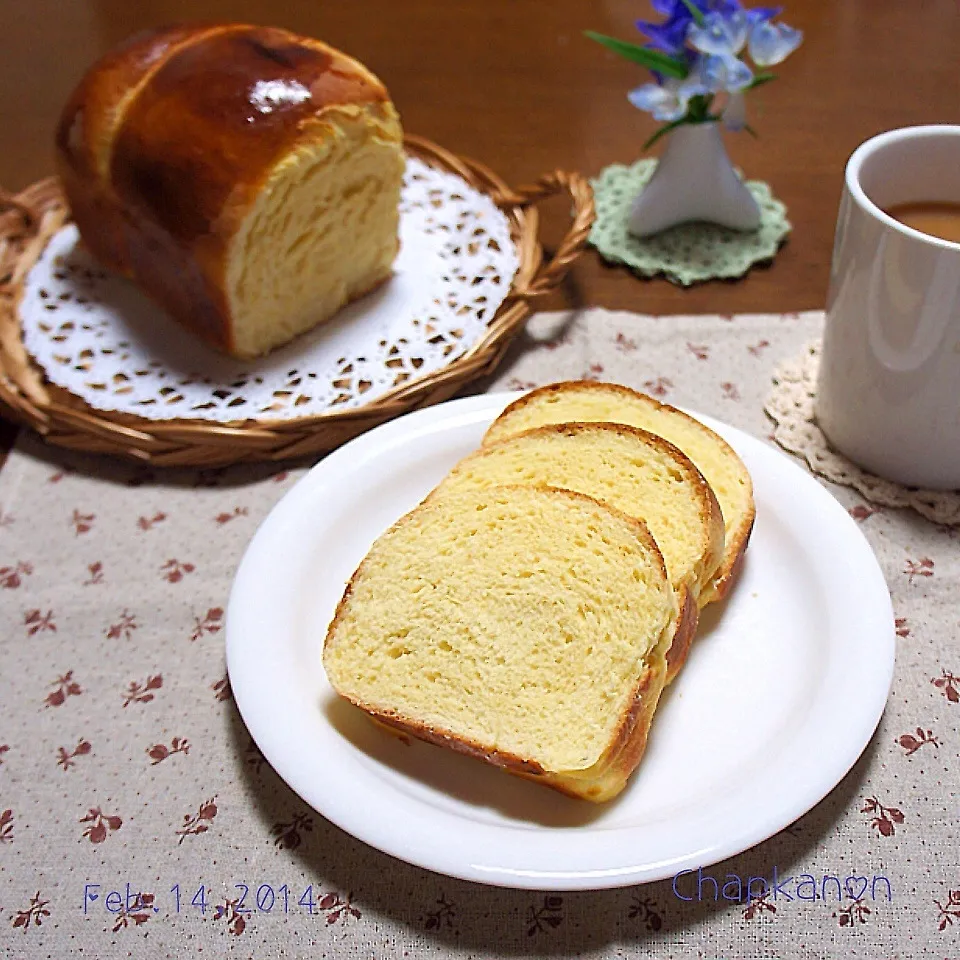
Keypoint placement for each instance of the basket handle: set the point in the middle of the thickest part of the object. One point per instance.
(549, 277)
(26, 221)
(9, 201)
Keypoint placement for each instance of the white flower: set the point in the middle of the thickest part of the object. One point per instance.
(665, 103)
(719, 35)
(724, 73)
(772, 43)
(669, 101)
(735, 112)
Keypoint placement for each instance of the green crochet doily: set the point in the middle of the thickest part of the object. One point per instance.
(688, 253)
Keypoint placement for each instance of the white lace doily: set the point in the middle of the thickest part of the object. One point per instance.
(791, 405)
(97, 336)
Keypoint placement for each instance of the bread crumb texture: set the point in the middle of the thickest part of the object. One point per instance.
(322, 232)
(517, 619)
(634, 472)
(585, 401)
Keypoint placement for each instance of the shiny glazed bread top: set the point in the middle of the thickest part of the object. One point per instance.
(166, 141)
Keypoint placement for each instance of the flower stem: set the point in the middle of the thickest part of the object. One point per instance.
(760, 79)
(698, 111)
(695, 12)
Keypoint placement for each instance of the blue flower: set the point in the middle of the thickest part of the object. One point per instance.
(772, 43)
(723, 7)
(671, 35)
(726, 8)
(675, 8)
(710, 37)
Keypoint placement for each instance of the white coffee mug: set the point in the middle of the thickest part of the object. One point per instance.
(888, 395)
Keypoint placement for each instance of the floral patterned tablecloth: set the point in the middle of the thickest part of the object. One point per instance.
(138, 819)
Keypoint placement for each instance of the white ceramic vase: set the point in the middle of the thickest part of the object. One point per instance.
(694, 180)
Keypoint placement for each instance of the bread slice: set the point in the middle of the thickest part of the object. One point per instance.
(587, 400)
(632, 470)
(526, 626)
(246, 178)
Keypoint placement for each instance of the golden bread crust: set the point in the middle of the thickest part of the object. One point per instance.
(687, 622)
(443, 738)
(733, 559)
(87, 127)
(167, 140)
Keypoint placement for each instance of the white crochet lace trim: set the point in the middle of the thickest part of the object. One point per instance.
(791, 405)
(96, 335)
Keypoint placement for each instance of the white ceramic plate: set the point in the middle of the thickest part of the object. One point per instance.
(784, 687)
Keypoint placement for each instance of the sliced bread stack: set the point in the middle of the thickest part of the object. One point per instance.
(526, 626)
(634, 471)
(590, 401)
(530, 611)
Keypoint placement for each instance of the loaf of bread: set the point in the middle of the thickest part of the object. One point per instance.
(246, 178)
(638, 473)
(527, 626)
(587, 400)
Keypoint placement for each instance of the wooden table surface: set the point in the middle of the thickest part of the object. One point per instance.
(514, 84)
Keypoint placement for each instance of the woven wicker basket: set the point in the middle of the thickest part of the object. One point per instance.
(30, 218)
